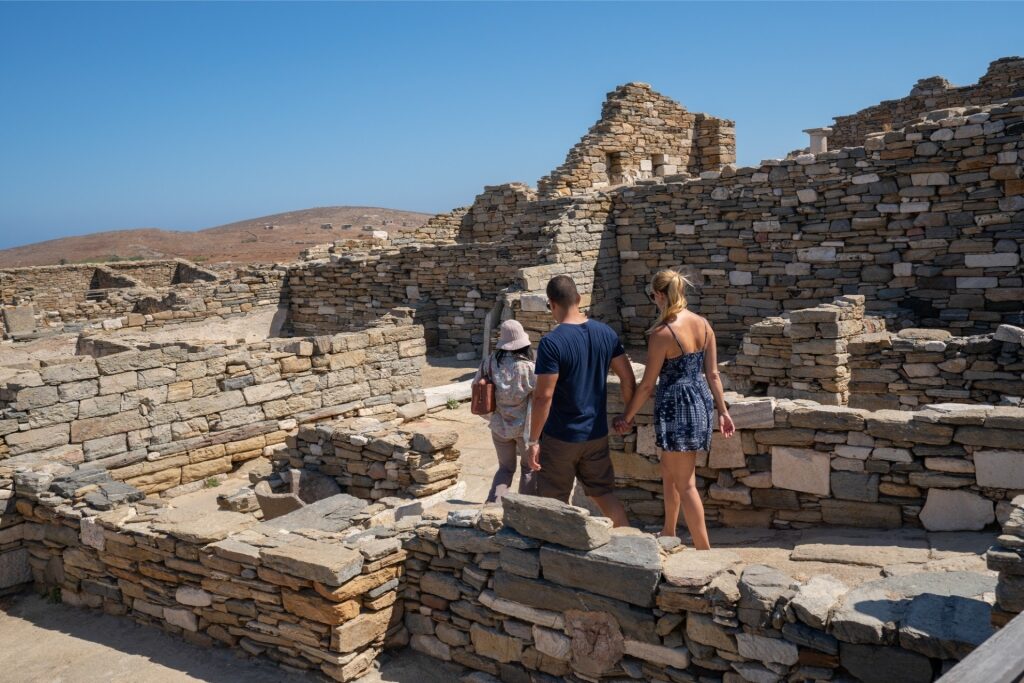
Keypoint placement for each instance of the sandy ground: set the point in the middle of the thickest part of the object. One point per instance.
(441, 370)
(42, 641)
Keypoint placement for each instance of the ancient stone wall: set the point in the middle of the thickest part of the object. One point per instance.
(311, 601)
(370, 460)
(1003, 80)
(113, 299)
(929, 219)
(444, 227)
(165, 417)
(641, 134)
(545, 591)
(832, 354)
(795, 464)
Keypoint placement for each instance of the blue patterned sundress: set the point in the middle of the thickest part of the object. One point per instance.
(683, 405)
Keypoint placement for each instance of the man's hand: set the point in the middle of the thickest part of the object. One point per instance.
(533, 457)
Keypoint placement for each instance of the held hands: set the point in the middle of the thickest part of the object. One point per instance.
(725, 425)
(621, 425)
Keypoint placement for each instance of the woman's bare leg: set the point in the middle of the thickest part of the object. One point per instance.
(671, 495)
(681, 468)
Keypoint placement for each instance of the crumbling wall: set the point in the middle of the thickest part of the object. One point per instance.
(164, 417)
(370, 460)
(1007, 558)
(865, 366)
(641, 134)
(925, 222)
(1003, 80)
(543, 591)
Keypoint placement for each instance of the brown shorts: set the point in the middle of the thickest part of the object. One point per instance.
(561, 462)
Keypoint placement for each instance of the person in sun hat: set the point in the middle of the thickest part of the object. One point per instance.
(510, 368)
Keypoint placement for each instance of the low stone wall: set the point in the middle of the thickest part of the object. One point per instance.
(320, 599)
(835, 355)
(919, 367)
(167, 415)
(795, 464)
(540, 591)
(371, 461)
(1007, 558)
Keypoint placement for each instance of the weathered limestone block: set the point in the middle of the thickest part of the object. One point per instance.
(801, 469)
(955, 510)
(555, 522)
(627, 568)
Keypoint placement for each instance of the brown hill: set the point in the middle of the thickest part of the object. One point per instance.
(267, 239)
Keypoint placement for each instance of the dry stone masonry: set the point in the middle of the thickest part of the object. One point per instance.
(869, 303)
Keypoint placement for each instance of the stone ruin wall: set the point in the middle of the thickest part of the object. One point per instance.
(927, 223)
(641, 134)
(139, 295)
(164, 418)
(867, 366)
(1003, 80)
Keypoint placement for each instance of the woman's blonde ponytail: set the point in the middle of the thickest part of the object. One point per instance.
(673, 285)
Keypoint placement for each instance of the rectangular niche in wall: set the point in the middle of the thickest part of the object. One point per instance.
(618, 167)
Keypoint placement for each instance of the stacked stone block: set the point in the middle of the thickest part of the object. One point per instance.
(1002, 81)
(1007, 558)
(923, 221)
(819, 364)
(372, 461)
(164, 416)
(311, 600)
(542, 591)
(641, 134)
(763, 362)
(917, 367)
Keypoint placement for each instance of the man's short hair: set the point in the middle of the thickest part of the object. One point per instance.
(562, 291)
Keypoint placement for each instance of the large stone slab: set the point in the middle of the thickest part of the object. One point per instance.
(19, 320)
(800, 469)
(636, 623)
(871, 548)
(762, 649)
(871, 613)
(627, 568)
(330, 514)
(956, 510)
(331, 564)
(945, 627)
(186, 525)
(854, 513)
(556, 522)
(14, 568)
(698, 568)
(1000, 469)
(753, 414)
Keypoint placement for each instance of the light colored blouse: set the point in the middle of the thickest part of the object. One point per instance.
(514, 382)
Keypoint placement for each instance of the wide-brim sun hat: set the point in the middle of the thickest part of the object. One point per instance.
(513, 336)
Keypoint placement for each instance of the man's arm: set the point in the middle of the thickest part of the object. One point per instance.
(539, 410)
(623, 369)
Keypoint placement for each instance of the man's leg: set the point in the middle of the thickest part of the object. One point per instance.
(557, 468)
(597, 474)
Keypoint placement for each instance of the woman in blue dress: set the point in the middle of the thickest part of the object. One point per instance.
(682, 360)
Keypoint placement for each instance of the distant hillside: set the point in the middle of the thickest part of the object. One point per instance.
(249, 241)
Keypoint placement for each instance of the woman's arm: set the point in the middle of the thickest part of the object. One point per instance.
(657, 349)
(725, 424)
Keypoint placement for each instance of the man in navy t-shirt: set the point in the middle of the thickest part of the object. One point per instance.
(570, 403)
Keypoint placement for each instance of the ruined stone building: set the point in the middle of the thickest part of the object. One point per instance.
(868, 295)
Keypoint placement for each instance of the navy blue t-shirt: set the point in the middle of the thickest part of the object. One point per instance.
(580, 355)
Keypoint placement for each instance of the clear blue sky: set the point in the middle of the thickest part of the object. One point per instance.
(186, 116)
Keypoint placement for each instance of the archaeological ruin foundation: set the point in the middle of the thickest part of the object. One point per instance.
(868, 296)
